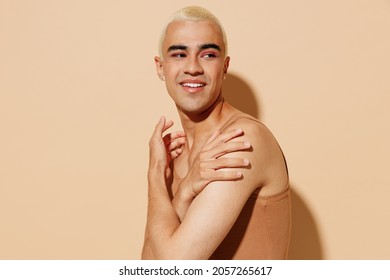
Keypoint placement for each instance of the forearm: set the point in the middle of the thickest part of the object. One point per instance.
(147, 253)
(162, 220)
(182, 201)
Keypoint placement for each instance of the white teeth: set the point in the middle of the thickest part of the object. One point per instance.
(193, 85)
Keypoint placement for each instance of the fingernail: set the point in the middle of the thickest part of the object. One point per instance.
(239, 130)
(247, 144)
(239, 174)
(246, 162)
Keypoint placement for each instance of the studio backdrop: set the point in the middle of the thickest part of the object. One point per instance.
(79, 98)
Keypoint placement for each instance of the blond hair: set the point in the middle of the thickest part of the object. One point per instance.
(195, 14)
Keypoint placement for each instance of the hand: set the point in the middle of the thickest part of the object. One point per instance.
(208, 163)
(208, 166)
(164, 149)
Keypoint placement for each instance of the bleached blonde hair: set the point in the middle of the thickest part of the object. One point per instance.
(195, 14)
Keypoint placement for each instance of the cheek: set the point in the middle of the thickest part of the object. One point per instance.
(214, 69)
(171, 68)
(216, 74)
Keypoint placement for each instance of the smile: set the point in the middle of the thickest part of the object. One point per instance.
(193, 85)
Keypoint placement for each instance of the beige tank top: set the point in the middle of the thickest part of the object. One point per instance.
(262, 230)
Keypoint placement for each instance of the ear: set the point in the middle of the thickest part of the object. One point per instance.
(226, 66)
(159, 67)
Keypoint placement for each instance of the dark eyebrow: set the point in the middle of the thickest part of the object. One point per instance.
(210, 46)
(202, 47)
(177, 47)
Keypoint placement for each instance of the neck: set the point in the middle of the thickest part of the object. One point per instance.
(199, 127)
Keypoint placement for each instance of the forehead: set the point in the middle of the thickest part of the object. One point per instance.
(191, 33)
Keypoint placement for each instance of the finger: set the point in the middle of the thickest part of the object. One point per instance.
(178, 134)
(175, 153)
(176, 144)
(158, 130)
(221, 175)
(168, 124)
(229, 135)
(225, 163)
(173, 136)
(228, 147)
(225, 137)
(162, 126)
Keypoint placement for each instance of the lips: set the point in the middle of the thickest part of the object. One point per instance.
(193, 86)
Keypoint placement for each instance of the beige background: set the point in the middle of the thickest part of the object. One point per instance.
(79, 98)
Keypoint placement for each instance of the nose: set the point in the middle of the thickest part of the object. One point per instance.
(193, 67)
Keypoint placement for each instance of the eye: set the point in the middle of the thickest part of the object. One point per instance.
(209, 55)
(178, 55)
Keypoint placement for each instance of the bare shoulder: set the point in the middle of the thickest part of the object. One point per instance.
(268, 170)
(216, 208)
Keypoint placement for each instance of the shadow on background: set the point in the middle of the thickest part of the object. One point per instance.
(305, 241)
(238, 93)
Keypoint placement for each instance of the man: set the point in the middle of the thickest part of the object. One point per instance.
(218, 190)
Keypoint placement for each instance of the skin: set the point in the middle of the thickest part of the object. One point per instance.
(203, 65)
(192, 206)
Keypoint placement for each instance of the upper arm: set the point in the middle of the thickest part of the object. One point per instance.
(209, 218)
(214, 211)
